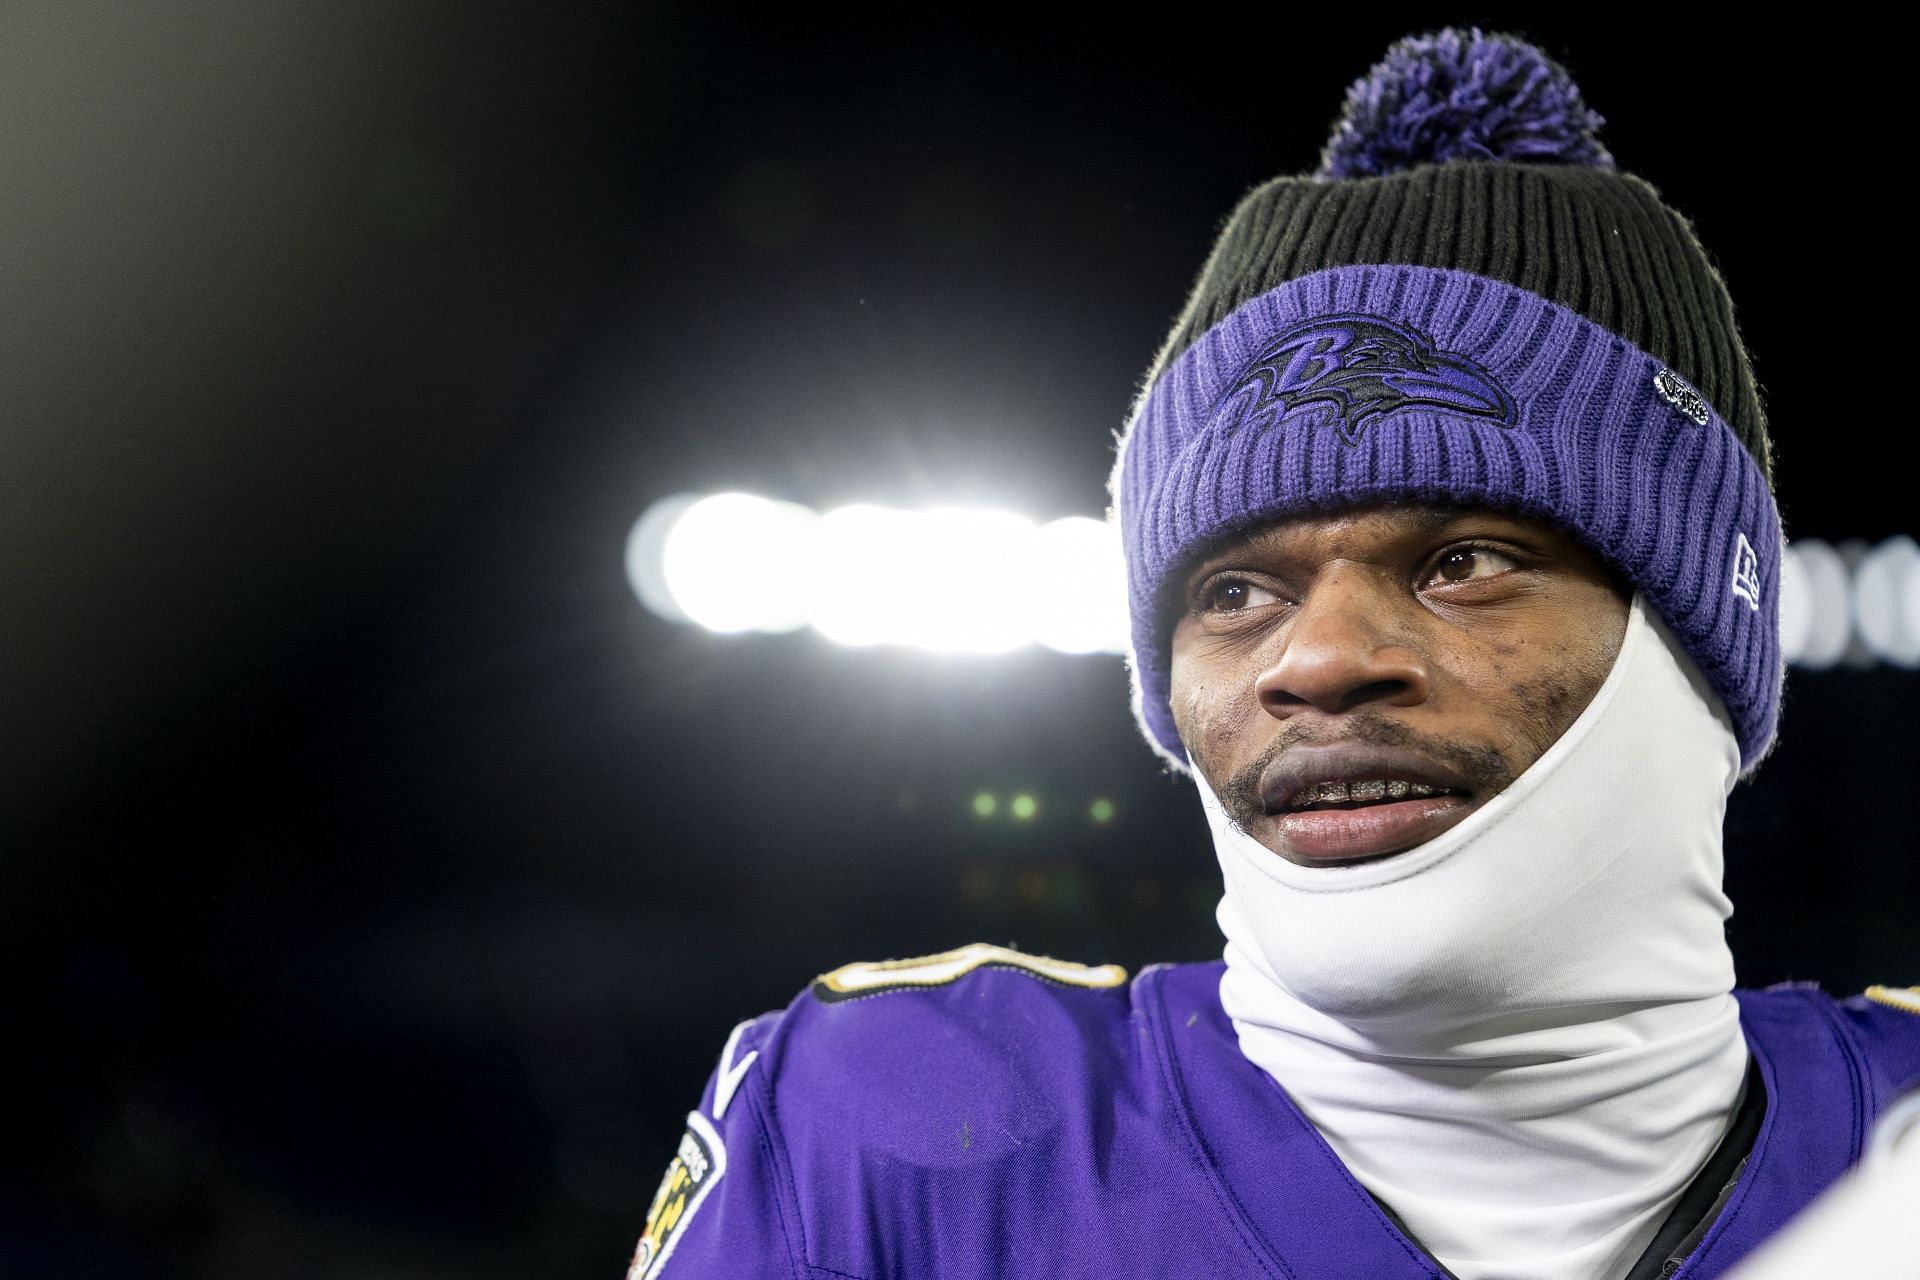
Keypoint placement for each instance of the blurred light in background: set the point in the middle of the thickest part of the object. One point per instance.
(1850, 603)
(1886, 601)
(972, 580)
(946, 579)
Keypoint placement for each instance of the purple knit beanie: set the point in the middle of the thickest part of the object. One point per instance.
(1468, 303)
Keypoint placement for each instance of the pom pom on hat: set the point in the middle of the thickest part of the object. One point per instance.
(1462, 95)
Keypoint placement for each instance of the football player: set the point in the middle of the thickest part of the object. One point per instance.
(1454, 569)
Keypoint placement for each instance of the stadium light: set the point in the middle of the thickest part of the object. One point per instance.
(734, 562)
(1079, 587)
(971, 580)
(951, 579)
(1886, 601)
(1815, 618)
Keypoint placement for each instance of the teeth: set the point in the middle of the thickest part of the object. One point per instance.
(1366, 792)
(1323, 793)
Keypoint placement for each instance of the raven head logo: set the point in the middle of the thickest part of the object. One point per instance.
(1365, 367)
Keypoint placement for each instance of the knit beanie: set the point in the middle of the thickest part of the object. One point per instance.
(1466, 303)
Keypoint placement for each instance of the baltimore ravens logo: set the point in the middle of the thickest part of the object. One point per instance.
(1365, 367)
(1679, 393)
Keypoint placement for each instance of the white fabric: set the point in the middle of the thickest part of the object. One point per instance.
(1520, 1035)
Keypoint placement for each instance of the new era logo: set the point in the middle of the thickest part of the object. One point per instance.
(1746, 571)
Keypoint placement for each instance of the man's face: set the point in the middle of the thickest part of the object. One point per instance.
(1351, 685)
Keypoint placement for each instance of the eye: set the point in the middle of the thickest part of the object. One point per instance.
(1230, 595)
(1467, 563)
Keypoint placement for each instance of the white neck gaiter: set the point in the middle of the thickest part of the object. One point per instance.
(1520, 1035)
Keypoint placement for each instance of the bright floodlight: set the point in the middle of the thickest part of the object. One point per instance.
(863, 565)
(1820, 618)
(1079, 587)
(949, 579)
(976, 596)
(734, 562)
(1910, 600)
(647, 555)
(1886, 586)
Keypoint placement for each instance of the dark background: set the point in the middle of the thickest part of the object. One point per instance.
(380, 879)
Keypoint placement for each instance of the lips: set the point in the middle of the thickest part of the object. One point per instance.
(1351, 802)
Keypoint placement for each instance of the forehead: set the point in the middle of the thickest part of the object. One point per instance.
(1356, 530)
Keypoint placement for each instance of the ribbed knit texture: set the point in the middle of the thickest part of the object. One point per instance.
(1585, 439)
(1597, 241)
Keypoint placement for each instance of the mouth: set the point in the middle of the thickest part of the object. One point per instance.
(1349, 803)
(1361, 794)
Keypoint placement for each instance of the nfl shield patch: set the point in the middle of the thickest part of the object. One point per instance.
(695, 1167)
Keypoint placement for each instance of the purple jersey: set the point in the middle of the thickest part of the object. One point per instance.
(988, 1114)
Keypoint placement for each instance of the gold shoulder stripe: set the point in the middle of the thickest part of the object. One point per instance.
(1907, 998)
(868, 978)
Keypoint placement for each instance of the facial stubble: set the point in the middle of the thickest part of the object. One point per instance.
(1480, 765)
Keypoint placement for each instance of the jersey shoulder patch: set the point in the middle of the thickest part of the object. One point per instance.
(872, 978)
(696, 1167)
(1907, 998)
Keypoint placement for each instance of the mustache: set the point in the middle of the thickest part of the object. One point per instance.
(1480, 763)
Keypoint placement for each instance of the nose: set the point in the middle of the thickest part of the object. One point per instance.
(1344, 648)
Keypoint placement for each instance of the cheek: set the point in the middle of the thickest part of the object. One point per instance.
(1211, 712)
(1546, 706)
(1532, 689)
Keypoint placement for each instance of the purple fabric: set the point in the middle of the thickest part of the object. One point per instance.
(1005, 1126)
(1817, 1119)
(1462, 95)
(1364, 384)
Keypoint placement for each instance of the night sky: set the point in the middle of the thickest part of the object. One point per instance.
(381, 879)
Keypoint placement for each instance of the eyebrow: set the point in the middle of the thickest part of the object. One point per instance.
(1419, 521)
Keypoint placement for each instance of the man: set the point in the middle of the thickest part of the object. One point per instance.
(1454, 571)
